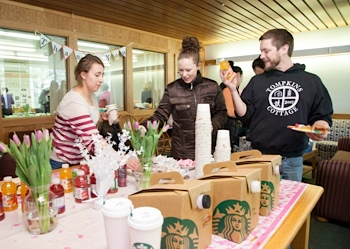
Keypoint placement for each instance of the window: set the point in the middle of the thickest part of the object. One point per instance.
(113, 85)
(148, 78)
(34, 77)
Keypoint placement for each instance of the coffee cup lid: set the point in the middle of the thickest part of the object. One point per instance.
(117, 207)
(145, 218)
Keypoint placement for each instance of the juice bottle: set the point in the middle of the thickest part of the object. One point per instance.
(84, 167)
(66, 178)
(225, 65)
(74, 175)
(122, 173)
(2, 213)
(114, 187)
(58, 201)
(93, 186)
(81, 192)
(9, 194)
(24, 193)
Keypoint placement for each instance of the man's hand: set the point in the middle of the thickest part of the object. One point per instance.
(322, 126)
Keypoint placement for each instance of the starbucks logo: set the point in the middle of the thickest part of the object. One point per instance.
(141, 246)
(177, 233)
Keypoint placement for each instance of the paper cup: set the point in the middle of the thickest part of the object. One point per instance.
(203, 113)
(112, 113)
(223, 139)
(115, 213)
(145, 225)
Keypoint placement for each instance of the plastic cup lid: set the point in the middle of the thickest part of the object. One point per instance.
(117, 207)
(145, 218)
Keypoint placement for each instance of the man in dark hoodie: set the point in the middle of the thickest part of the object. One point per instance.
(285, 94)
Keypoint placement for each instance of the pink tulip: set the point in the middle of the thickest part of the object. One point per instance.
(2, 148)
(129, 125)
(27, 141)
(136, 125)
(16, 140)
(166, 128)
(39, 136)
(154, 124)
(148, 124)
(46, 134)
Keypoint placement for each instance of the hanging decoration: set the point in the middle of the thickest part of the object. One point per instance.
(67, 51)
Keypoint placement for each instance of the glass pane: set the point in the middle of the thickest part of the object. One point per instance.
(148, 78)
(35, 77)
(113, 84)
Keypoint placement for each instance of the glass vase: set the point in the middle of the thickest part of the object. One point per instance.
(39, 215)
(143, 178)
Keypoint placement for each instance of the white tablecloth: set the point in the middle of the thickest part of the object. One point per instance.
(82, 227)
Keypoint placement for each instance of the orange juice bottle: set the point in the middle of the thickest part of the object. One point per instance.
(24, 193)
(225, 65)
(66, 178)
(9, 194)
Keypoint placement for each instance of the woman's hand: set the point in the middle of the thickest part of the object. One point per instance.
(134, 164)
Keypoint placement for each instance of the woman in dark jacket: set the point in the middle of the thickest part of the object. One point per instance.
(181, 98)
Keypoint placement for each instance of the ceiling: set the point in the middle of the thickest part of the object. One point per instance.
(211, 21)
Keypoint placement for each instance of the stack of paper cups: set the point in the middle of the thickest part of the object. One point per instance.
(116, 212)
(203, 139)
(223, 149)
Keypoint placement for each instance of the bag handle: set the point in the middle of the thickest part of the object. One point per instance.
(245, 155)
(221, 166)
(167, 177)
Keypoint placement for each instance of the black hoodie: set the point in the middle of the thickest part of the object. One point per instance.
(276, 99)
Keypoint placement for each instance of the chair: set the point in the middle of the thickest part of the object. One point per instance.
(7, 166)
(125, 118)
(164, 144)
(334, 204)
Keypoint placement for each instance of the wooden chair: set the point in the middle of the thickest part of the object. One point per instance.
(164, 144)
(7, 166)
(125, 118)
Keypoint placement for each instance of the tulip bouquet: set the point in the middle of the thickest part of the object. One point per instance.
(145, 142)
(32, 156)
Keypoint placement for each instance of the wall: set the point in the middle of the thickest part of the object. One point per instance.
(28, 18)
(334, 70)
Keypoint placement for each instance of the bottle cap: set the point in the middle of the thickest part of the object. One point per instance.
(80, 172)
(7, 179)
(65, 165)
(55, 180)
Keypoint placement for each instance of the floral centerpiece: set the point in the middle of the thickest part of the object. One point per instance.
(145, 142)
(32, 156)
(103, 162)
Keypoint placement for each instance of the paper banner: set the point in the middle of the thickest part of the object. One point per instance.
(44, 40)
(78, 55)
(123, 51)
(66, 52)
(116, 53)
(55, 46)
(99, 55)
(108, 56)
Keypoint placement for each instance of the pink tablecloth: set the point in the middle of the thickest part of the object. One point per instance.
(81, 226)
(290, 192)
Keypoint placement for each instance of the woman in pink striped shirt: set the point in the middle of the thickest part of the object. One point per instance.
(78, 114)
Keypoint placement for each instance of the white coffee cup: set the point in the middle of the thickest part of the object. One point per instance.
(112, 113)
(145, 225)
(115, 213)
(223, 139)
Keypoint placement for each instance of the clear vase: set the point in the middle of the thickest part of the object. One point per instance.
(143, 178)
(39, 215)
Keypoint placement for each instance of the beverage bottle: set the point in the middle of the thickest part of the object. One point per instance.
(93, 186)
(114, 187)
(122, 173)
(84, 167)
(24, 193)
(9, 194)
(58, 200)
(2, 213)
(66, 178)
(81, 192)
(225, 65)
